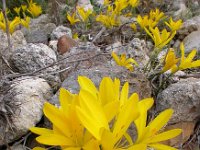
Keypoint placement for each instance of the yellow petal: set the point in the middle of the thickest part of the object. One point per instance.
(86, 84)
(138, 147)
(165, 135)
(127, 114)
(106, 91)
(111, 109)
(191, 56)
(162, 147)
(124, 94)
(91, 114)
(161, 120)
(40, 131)
(116, 58)
(38, 148)
(91, 145)
(57, 118)
(54, 139)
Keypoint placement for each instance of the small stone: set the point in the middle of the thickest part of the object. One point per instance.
(60, 31)
(64, 44)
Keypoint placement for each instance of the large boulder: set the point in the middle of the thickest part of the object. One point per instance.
(183, 97)
(32, 57)
(192, 41)
(40, 30)
(21, 106)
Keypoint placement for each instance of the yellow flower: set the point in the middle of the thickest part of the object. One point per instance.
(160, 38)
(72, 18)
(67, 130)
(17, 10)
(75, 36)
(106, 2)
(145, 21)
(156, 15)
(11, 24)
(1, 16)
(98, 108)
(84, 14)
(34, 9)
(186, 62)
(174, 25)
(26, 21)
(96, 119)
(133, 26)
(122, 61)
(108, 21)
(150, 135)
(24, 7)
(119, 6)
(134, 3)
(170, 61)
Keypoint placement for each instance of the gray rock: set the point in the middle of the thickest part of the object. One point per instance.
(137, 81)
(83, 51)
(17, 40)
(17, 147)
(32, 57)
(182, 12)
(53, 45)
(23, 105)
(86, 4)
(40, 30)
(183, 97)
(189, 26)
(60, 31)
(192, 41)
(137, 49)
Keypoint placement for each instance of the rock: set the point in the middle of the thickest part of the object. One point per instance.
(60, 31)
(41, 20)
(189, 26)
(32, 57)
(17, 147)
(40, 30)
(86, 4)
(192, 41)
(17, 40)
(57, 10)
(137, 81)
(183, 98)
(53, 45)
(137, 50)
(64, 44)
(87, 52)
(187, 131)
(182, 12)
(23, 104)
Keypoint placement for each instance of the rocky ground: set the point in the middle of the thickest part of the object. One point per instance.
(40, 63)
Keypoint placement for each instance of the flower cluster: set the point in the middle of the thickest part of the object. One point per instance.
(82, 13)
(174, 64)
(98, 119)
(21, 18)
(124, 62)
(150, 24)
